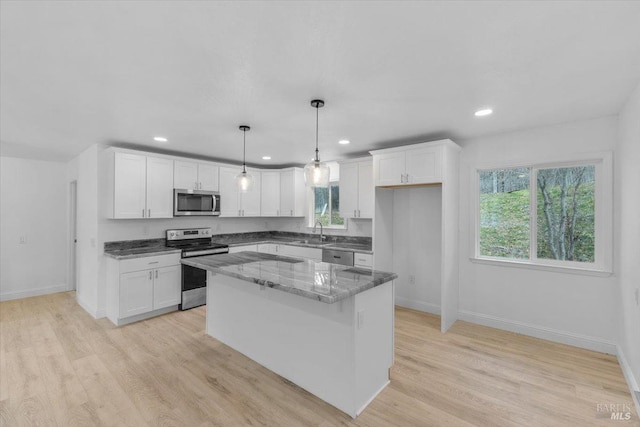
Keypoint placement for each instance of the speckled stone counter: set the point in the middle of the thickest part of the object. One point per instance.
(316, 280)
(129, 249)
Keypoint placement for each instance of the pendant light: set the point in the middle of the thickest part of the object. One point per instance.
(244, 179)
(316, 174)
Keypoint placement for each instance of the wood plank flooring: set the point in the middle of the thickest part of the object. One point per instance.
(59, 366)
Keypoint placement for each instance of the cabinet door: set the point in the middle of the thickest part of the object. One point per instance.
(159, 188)
(136, 293)
(129, 192)
(424, 165)
(313, 254)
(365, 190)
(349, 190)
(391, 168)
(236, 249)
(268, 248)
(229, 200)
(166, 286)
(208, 177)
(250, 201)
(185, 175)
(270, 197)
(287, 193)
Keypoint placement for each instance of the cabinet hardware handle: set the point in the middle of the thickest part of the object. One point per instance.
(156, 274)
(142, 213)
(239, 212)
(150, 275)
(354, 213)
(358, 213)
(291, 212)
(154, 262)
(149, 215)
(277, 212)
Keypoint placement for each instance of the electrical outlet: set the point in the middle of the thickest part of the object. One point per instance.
(412, 280)
(23, 240)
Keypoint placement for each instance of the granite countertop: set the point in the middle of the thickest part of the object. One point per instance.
(128, 249)
(321, 281)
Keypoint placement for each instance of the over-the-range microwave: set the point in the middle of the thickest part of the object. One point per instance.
(195, 202)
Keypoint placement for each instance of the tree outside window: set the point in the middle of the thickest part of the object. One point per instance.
(327, 205)
(563, 213)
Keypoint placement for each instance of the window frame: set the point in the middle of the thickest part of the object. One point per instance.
(603, 232)
(312, 209)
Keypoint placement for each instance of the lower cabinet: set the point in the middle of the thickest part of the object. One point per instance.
(314, 254)
(235, 249)
(142, 287)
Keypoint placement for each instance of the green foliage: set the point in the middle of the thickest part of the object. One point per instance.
(504, 224)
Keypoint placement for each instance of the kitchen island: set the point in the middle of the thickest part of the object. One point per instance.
(327, 328)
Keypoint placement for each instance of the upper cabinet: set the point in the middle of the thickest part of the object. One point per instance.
(356, 188)
(412, 165)
(232, 202)
(292, 192)
(195, 176)
(270, 199)
(139, 186)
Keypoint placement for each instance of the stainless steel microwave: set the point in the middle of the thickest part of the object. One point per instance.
(195, 202)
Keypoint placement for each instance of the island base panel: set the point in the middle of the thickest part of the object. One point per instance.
(339, 352)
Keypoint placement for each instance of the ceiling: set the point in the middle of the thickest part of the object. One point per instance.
(73, 74)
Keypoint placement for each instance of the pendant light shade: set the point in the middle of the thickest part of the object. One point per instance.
(244, 179)
(316, 173)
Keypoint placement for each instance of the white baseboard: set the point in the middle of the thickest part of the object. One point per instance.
(555, 335)
(33, 292)
(418, 305)
(631, 379)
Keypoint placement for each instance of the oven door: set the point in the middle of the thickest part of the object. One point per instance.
(194, 287)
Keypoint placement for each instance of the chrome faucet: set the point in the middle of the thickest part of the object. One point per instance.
(322, 236)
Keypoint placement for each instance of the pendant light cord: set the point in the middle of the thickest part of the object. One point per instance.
(244, 151)
(317, 108)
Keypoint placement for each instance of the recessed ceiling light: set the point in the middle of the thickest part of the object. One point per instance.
(483, 112)
(160, 139)
(266, 157)
(344, 141)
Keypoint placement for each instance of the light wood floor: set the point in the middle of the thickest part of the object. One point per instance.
(58, 366)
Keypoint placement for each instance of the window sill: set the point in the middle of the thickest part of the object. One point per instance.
(330, 227)
(544, 267)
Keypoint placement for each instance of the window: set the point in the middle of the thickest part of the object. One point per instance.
(326, 206)
(556, 215)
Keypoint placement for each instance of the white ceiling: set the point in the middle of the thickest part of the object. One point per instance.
(78, 73)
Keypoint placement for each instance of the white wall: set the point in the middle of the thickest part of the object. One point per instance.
(84, 168)
(627, 230)
(571, 308)
(33, 204)
(417, 229)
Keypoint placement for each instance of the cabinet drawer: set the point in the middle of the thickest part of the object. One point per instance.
(363, 260)
(147, 263)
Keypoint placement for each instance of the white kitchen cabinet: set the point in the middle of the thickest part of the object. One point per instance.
(314, 254)
(292, 192)
(418, 164)
(136, 293)
(143, 287)
(236, 249)
(270, 197)
(166, 286)
(356, 189)
(362, 260)
(159, 188)
(140, 186)
(195, 176)
(268, 248)
(234, 203)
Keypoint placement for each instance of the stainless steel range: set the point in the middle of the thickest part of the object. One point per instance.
(194, 242)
